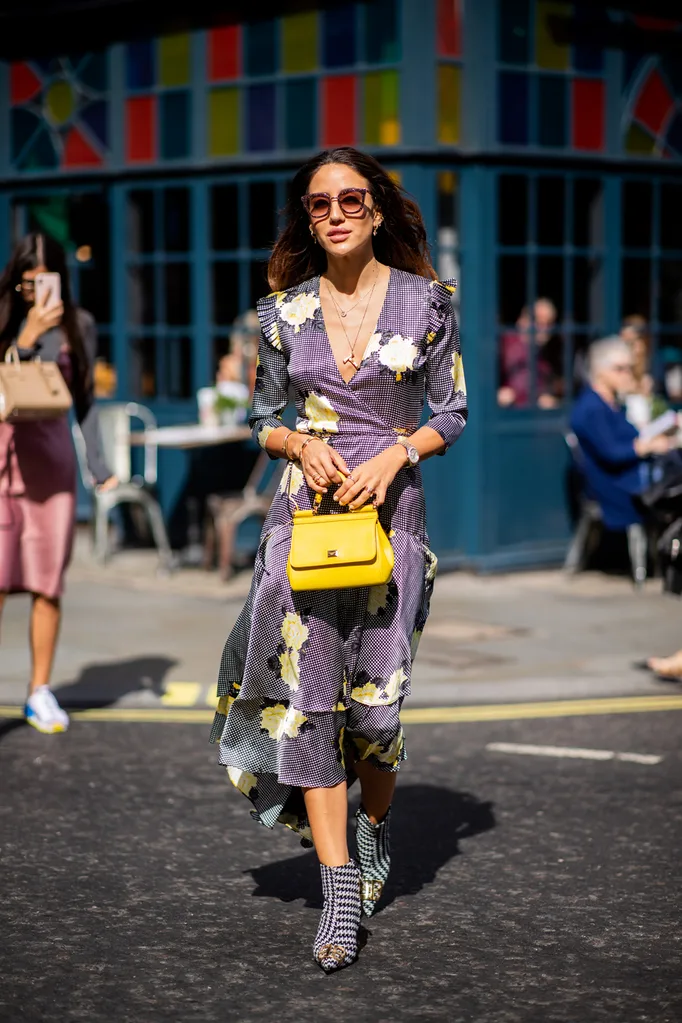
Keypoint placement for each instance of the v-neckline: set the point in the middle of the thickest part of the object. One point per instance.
(376, 328)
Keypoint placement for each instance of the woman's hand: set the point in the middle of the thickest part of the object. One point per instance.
(372, 479)
(109, 484)
(321, 464)
(39, 320)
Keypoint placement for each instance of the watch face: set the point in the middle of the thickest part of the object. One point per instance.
(413, 455)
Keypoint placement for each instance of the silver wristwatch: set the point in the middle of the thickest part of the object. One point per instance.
(412, 453)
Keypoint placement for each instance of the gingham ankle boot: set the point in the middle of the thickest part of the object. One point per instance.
(336, 944)
(374, 853)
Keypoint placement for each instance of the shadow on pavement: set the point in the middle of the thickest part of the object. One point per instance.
(426, 827)
(11, 726)
(100, 685)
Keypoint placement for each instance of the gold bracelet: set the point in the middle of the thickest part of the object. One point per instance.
(284, 445)
(304, 446)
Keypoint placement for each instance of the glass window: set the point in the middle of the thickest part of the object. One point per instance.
(224, 217)
(588, 290)
(258, 282)
(142, 362)
(179, 368)
(225, 292)
(549, 211)
(512, 210)
(141, 294)
(636, 288)
(176, 219)
(178, 298)
(637, 214)
(588, 212)
(670, 235)
(141, 221)
(670, 291)
(514, 45)
(262, 214)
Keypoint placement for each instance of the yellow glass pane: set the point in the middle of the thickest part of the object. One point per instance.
(639, 142)
(449, 81)
(382, 104)
(223, 122)
(174, 60)
(299, 42)
(549, 53)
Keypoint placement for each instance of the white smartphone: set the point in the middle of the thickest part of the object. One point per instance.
(48, 289)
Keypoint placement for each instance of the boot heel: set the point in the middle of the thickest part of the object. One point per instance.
(374, 853)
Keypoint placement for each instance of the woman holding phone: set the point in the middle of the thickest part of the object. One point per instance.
(37, 462)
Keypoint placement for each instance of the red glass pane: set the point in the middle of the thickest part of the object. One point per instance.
(654, 103)
(338, 110)
(588, 114)
(24, 83)
(450, 28)
(78, 152)
(656, 24)
(141, 140)
(224, 49)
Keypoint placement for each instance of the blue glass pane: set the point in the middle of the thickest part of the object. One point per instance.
(140, 64)
(338, 37)
(24, 125)
(589, 56)
(93, 71)
(674, 134)
(631, 62)
(382, 33)
(514, 41)
(175, 108)
(512, 104)
(261, 118)
(48, 65)
(301, 113)
(671, 67)
(552, 110)
(41, 154)
(95, 117)
(260, 49)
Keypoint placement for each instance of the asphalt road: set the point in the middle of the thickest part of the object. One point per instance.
(537, 889)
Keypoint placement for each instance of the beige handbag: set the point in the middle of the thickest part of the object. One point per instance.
(31, 390)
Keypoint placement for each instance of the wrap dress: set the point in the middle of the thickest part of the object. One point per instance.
(311, 681)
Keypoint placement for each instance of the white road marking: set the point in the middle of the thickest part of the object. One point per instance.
(571, 751)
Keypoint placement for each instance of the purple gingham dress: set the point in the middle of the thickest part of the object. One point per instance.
(311, 681)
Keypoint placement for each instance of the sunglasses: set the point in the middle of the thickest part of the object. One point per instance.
(350, 200)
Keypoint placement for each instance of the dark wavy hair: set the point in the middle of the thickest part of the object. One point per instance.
(32, 251)
(400, 241)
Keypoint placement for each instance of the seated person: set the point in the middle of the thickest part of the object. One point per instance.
(613, 454)
(515, 356)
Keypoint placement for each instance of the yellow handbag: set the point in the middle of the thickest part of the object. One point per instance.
(334, 552)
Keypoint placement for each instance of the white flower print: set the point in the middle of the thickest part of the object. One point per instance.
(391, 755)
(458, 373)
(273, 336)
(288, 669)
(293, 480)
(398, 354)
(377, 598)
(321, 414)
(294, 632)
(431, 565)
(301, 308)
(242, 780)
(224, 704)
(264, 433)
(365, 748)
(292, 722)
(414, 645)
(367, 694)
(279, 721)
(373, 345)
(393, 689)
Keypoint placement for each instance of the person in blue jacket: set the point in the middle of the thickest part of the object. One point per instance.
(613, 455)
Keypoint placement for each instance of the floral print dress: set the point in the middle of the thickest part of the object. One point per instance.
(311, 681)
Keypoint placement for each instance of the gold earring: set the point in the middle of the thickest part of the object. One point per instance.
(312, 234)
(376, 227)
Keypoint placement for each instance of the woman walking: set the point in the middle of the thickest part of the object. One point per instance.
(37, 464)
(311, 683)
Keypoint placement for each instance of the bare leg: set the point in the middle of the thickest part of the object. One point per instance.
(377, 789)
(667, 666)
(2, 603)
(46, 617)
(328, 815)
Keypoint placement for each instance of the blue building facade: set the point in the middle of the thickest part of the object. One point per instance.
(542, 141)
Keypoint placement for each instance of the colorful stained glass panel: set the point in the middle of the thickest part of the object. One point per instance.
(339, 36)
(224, 130)
(655, 104)
(79, 151)
(140, 64)
(549, 52)
(24, 83)
(512, 101)
(382, 123)
(299, 42)
(224, 45)
(552, 110)
(382, 32)
(95, 117)
(300, 113)
(449, 28)
(449, 84)
(141, 129)
(93, 71)
(23, 126)
(260, 118)
(338, 110)
(513, 43)
(639, 142)
(588, 114)
(175, 124)
(174, 60)
(260, 49)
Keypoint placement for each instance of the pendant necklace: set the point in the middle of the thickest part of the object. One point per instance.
(344, 312)
(351, 347)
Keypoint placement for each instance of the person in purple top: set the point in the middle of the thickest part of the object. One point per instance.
(612, 451)
(311, 684)
(515, 358)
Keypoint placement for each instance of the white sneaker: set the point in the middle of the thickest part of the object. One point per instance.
(44, 713)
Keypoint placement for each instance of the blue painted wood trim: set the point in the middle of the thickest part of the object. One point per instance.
(202, 349)
(612, 254)
(479, 91)
(4, 119)
(117, 106)
(418, 95)
(119, 304)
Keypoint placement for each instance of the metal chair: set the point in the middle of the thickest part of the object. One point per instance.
(115, 429)
(590, 515)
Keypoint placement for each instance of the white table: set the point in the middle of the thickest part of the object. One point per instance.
(193, 435)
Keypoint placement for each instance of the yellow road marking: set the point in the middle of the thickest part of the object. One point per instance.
(180, 694)
(416, 715)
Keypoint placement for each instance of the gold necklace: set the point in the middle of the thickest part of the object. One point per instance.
(344, 312)
(351, 347)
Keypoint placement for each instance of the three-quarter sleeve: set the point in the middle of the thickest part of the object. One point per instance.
(445, 385)
(271, 391)
(84, 403)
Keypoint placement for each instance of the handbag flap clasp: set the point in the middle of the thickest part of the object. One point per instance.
(320, 540)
